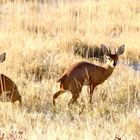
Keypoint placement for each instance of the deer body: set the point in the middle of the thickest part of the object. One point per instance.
(85, 73)
(8, 89)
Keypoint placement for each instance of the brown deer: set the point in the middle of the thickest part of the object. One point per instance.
(85, 73)
(8, 89)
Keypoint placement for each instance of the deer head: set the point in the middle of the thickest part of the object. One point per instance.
(112, 59)
(2, 57)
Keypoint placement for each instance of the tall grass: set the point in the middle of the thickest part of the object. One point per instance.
(38, 38)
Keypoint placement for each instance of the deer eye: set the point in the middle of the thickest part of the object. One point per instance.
(109, 58)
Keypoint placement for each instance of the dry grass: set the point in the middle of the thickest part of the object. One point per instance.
(39, 41)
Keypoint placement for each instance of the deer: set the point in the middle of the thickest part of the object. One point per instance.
(8, 89)
(89, 74)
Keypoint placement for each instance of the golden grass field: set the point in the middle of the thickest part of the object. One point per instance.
(39, 40)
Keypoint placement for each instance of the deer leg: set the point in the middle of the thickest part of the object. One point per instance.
(74, 98)
(75, 93)
(20, 101)
(15, 97)
(91, 93)
(56, 95)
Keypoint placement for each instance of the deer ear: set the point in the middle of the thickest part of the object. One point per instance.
(121, 50)
(104, 49)
(2, 57)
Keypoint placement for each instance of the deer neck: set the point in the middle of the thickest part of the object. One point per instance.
(108, 70)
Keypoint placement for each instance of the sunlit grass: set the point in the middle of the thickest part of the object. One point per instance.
(39, 39)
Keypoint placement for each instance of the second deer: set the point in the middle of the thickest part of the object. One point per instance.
(85, 73)
(8, 89)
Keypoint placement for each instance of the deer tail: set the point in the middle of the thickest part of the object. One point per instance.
(62, 78)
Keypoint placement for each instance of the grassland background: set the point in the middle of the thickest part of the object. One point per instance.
(39, 39)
